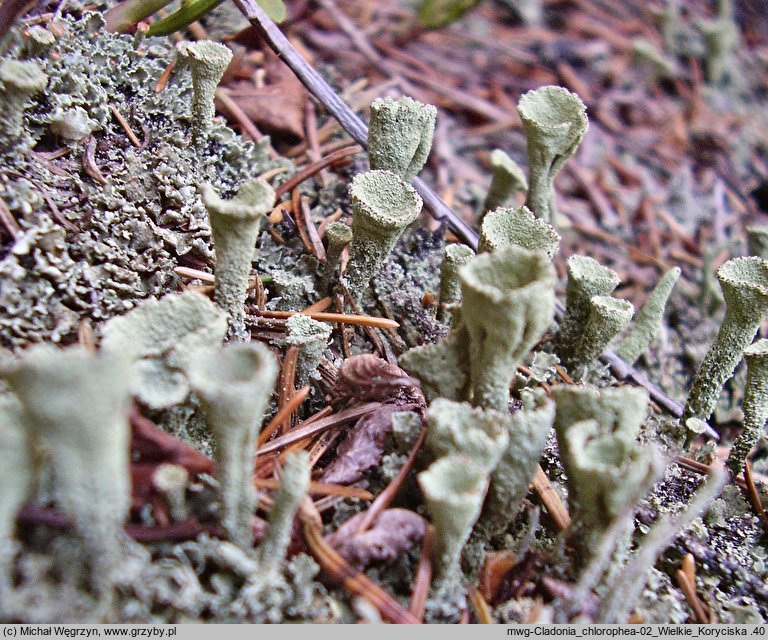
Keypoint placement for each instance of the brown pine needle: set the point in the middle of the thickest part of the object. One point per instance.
(318, 307)
(126, 127)
(754, 496)
(691, 597)
(283, 414)
(310, 170)
(165, 76)
(482, 611)
(319, 489)
(286, 382)
(423, 578)
(353, 581)
(344, 318)
(306, 429)
(268, 175)
(551, 500)
(384, 499)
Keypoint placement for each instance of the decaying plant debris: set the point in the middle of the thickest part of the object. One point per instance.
(437, 439)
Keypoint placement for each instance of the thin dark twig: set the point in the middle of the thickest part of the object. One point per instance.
(356, 128)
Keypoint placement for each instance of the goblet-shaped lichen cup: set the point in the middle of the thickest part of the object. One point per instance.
(505, 227)
(383, 205)
(607, 318)
(76, 402)
(233, 385)
(19, 81)
(508, 302)
(508, 179)
(744, 282)
(555, 121)
(454, 490)
(235, 225)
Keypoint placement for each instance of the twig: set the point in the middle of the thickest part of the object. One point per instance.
(423, 578)
(754, 496)
(9, 222)
(283, 414)
(364, 321)
(126, 127)
(551, 500)
(311, 169)
(480, 606)
(89, 162)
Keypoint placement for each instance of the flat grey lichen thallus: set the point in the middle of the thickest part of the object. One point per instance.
(383, 205)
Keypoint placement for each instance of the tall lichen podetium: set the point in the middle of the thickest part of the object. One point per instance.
(508, 302)
(383, 205)
(755, 405)
(454, 489)
(76, 402)
(744, 282)
(508, 179)
(400, 135)
(648, 319)
(17, 477)
(207, 61)
(607, 470)
(586, 278)
(555, 121)
(235, 225)
(607, 318)
(19, 81)
(233, 385)
(454, 257)
(339, 235)
(505, 227)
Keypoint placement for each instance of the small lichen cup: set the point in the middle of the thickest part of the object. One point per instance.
(508, 302)
(587, 278)
(19, 81)
(506, 227)
(508, 179)
(400, 135)
(339, 235)
(383, 205)
(607, 318)
(755, 405)
(235, 225)
(76, 403)
(555, 121)
(311, 339)
(207, 61)
(744, 283)
(233, 385)
(455, 256)
(454, 490)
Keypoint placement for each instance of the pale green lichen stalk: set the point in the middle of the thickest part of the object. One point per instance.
(508, 302)
(649, 318)
(76, 403)
(508, 179)
(311, 338)
(506, 227)
(339, 235)
(755, 405)
(528, 430)
(757, 241)
(382, 207)
(294, 483)
(453, 490)
(587, 278)
(555, 121)
(233, 385)
(607, 318)
(17, 477)
(458, 428)
(744, 282)
(455, 256)
(400, 135)
(607, 470)
(19, 81)
(207, 61)
(235, 225)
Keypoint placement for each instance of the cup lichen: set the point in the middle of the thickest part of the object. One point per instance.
(76, 403)
(744, 283)
(587, 278)
(383, 205)
(207, 61)
(235, 225)
(508, 179)
(19, 81)
(233, 385)
(453, 490)
(508, 302)
(755, 405)
(649, 318)
(339, 235)
(555, 121)
(455, 256)
(311, 339)
(400, 135)
(505, 227)
(757, 241)
(607, 318)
